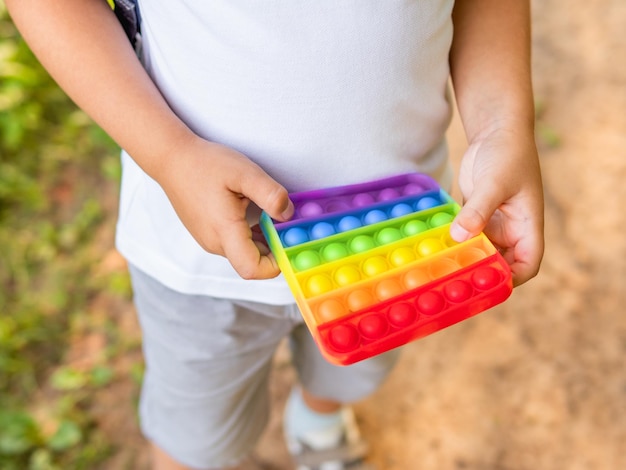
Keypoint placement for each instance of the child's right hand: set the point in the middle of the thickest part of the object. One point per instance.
(210, 187)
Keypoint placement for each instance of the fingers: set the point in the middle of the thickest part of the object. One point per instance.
(525, 255)
(524, 260)
(247, 254)
(244, 183)
(516, 228)
(244, 247)
(226, 183)
(266, 193)
(475, 214)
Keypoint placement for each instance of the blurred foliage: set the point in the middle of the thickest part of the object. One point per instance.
(53, 160)
(546, 136)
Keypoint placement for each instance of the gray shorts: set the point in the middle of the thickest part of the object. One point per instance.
(204, 398)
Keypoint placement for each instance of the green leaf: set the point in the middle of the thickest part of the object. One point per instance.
(41, 459)
(137, 372)
(548, 136)
(14, 445)
(100, 376)
(18, 433)
(67, 378)
(67, 435)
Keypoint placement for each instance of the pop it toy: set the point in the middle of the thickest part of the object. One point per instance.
(372, 266)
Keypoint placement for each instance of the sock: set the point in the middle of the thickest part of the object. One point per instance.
(316, 430)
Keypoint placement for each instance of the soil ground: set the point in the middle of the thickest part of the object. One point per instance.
(539, 382)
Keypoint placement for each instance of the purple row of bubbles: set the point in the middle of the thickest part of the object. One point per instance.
(315, 208)
(323, 229)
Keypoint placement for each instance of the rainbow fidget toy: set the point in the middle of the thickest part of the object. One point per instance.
(372, 266)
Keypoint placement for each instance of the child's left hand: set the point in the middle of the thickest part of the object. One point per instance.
(500, 180)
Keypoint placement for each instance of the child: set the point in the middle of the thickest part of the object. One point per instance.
(233, 104)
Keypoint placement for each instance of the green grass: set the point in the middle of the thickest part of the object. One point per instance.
(54, 165)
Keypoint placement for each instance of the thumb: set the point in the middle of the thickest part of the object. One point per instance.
(269, 195)
(475, 213)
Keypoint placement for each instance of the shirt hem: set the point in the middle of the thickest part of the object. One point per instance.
(272, 292)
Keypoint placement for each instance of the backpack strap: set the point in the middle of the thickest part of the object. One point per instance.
(127, 13)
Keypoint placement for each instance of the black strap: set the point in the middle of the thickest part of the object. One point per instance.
(127, 13)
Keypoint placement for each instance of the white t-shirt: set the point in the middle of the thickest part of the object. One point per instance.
(318, 93)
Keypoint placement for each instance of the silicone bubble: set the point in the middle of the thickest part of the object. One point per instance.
(330, 309)
(388, 235)
(447, 239)
(374, 266)
(402, 314)
(415, 277)
(412, 188)
(426, 203)
(362, 200)
(359, 299)
(319, 284)
(400, 209)
(361, 243)
(469, 256)
(485, 278)
(402, 256)
(388, 288)
(430, 246)
(349, 222)
(346, 275)
(374, 216)
(373, 326)
(413, 227)
(334, 251)
(311, 209)
(388, 194)
(344, 337)
(430, 303)
(295, 236)
(457, 291)
(322, 230)
(306, 260)
(337, 205)
(440, 218)
(442, 267)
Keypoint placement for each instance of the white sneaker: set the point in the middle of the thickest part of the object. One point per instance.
(338, 446)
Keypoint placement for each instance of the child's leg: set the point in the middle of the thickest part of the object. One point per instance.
(318, 427)
(162, 461)
(325, 382)
(204, 400)
(320, 404)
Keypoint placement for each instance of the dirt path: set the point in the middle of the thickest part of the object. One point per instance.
(538, 383)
